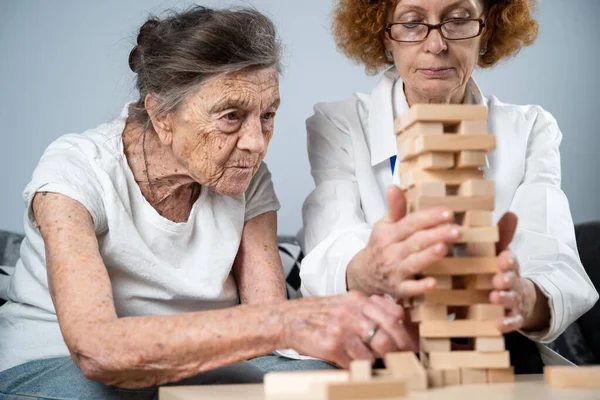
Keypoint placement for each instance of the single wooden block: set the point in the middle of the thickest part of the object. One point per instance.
(428, 345)
(476, 187)
(473, 127)
(428, 161)
(449, 113)
(405, 366)
(379, 389)
(435, 378)
(360, 371)
(481, 250)
(449, 177)
(463, 266)
(485, 312)
(447, 143)
(470, 376)
(428, 313)
(454, 203)
(488, 344)
(501, 375)
(458, 329)
(443, 282)
(477, 219)
(406, 148)
(572, 376)
(417, 129)
(282, 383)
(488, 234)
(479, 282)
(468, 359)
(451, 377)
(471, 159)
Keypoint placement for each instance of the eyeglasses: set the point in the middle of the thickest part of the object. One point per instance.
(453, 29)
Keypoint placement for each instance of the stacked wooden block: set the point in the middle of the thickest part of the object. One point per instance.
(442, 151)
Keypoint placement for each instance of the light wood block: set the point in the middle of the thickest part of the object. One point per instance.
(360, 371)
(473, 127)
(463, 266)
(379, 389)
(477, 219)
(417, 129)
(587, 377)
(454, 297)
(455, 203)
(501, 375)
(447, 143)
(488, 234)
(435, 378)
(405, 366)
(443, 282)
(478, 187)
(481, 250)
(428, 345)
(449, 177)
(468, 359)
(485, 312)
(470, 159)
(479, 282)
(449, 113)
(458, 329)
(279, 383)
(471, 376)
(451, 377)
(488, 344)
(428, 161)
(428, 313)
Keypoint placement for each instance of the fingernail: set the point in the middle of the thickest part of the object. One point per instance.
(506, 294)
(446, 214)
(509, 277)
(511, 259)
(514, 320)
(455, 232)
(439, 247)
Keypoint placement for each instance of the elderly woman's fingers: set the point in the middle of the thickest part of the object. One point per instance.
(508, 262)
(430, 237)
(506, 227)
(505, 280)
(396, 204)
(415, 287)
(421, 220)
(357, 349)
(390, 335)
(414, 263)
(513, 321)
(390, 305)
(506, 298)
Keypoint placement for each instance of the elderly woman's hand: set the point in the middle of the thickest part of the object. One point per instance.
(402, 246)
(346, 327)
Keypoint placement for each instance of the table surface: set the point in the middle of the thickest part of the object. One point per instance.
(530, 387)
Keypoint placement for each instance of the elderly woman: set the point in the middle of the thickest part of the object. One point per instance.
(144, 234)
(356, 240)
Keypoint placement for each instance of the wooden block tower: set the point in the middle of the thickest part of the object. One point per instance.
(441, 152)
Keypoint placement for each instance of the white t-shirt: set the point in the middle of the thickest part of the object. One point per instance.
(156, 266)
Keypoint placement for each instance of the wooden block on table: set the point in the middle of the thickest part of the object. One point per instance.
(449, 113)
(468, 359)
(470, 159)
(380, 389)
(485, 312)
(405, 366)
(428, 313)
(476, 187)
(281, 383)
(501, 375)
(481, 250)
(451, 377)
(587, 377)
(360, 371)
(435, 378)
(428, 345)
(479, 282)
(446, 143)
(473, 127)
(489, 344)
(428, 161)
(463, 266)
(449, 177)
(477, 219)
(469, 376)
(488, 234)
(454, 203)
(417, 129)
(458, 329)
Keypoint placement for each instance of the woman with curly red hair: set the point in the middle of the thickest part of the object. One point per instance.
(356, 240)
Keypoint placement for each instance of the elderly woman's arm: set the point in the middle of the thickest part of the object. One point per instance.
(257, 267)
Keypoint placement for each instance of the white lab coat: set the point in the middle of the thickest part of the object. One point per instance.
(350, 144)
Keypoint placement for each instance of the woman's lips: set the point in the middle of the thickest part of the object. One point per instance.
(435, 72)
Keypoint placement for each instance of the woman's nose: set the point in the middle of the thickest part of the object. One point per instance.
(435, 43)
(252, 139)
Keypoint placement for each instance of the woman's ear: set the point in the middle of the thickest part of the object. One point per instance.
(161, 123)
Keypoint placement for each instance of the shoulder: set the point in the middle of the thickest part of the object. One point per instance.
(343, 114)
(530, 118)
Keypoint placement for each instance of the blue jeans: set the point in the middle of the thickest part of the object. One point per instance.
(61, 379)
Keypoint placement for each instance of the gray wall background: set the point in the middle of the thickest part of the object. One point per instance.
(63, 68)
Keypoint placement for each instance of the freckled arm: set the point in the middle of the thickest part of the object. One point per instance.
(137, 352)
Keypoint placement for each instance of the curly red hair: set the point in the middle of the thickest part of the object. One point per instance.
(358, 28)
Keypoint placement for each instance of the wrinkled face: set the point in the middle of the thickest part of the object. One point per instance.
(436, 67)
(220, 133)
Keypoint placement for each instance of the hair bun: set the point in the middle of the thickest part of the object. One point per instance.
(135, 56)
(146, 31)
